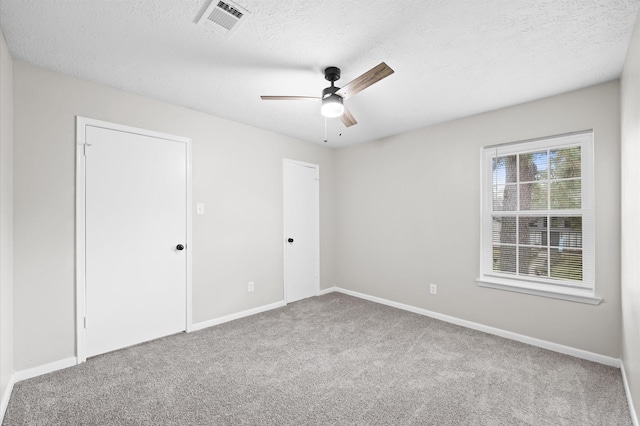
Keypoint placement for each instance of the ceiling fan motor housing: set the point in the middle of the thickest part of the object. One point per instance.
(326, 92)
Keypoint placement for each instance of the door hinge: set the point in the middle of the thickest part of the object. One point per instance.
(84, 148)
(85, 322)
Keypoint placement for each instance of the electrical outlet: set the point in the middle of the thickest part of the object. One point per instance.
(250, 287)
(433, 289)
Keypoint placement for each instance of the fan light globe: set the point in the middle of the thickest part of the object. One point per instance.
(332, 106)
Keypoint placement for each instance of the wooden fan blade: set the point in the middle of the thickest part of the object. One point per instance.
(347, 118)
(289, 98)
(370, 77)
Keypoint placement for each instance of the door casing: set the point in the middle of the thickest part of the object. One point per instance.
(80, 302)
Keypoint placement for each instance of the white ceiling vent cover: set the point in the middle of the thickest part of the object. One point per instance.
(223, 17)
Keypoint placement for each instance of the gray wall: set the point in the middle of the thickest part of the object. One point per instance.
(630, 94)
(396, 214)
(237, 173)
(409, 215)
(6, 217)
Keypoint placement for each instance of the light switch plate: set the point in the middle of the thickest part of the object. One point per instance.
(200, 208)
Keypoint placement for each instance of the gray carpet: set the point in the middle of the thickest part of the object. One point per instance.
(327, 360)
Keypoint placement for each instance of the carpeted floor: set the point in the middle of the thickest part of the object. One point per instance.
(327, 360)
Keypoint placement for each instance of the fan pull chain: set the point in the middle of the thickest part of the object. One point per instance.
(325, 130)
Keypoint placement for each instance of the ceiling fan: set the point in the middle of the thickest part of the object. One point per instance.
(332, 97)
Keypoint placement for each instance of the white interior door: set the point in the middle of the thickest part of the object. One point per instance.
(135, 220)
(301, 227)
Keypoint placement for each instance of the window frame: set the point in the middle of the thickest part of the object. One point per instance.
(541, 286)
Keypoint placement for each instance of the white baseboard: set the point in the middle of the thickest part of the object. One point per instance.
(327, 291)
(19, 376)
(627, 390)
(567, 350)
(238, 315)
(44, 369)
(5, 398)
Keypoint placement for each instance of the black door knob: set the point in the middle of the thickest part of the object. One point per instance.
(290, 240)
(179, 247)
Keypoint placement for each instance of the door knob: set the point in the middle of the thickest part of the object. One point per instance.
(179, 247)
(290, 240)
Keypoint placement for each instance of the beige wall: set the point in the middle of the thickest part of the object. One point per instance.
(630, 100)
(6, 218)
(237, 173)
(409, 215)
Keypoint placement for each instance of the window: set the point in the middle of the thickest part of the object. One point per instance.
(537, 217)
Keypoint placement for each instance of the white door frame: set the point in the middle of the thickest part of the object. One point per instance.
(284, 224)
(81, 124)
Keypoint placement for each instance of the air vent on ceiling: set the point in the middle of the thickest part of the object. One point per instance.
(223, 17)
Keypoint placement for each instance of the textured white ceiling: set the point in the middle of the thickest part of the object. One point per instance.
(452, 58)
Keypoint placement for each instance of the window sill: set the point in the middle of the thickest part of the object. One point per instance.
(570, 294)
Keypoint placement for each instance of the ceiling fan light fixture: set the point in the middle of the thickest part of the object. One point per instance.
(332, 106)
